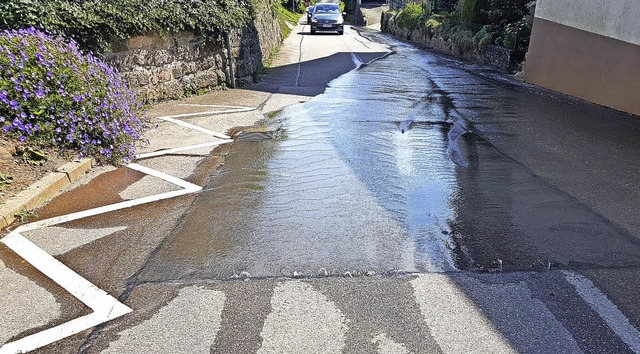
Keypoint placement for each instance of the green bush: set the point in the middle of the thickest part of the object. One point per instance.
(94, 24)
(474, 24)
(286, 17)
(484, 37)
(52, 95)
(433, 27)
(410, 17)
(473, 11)
(503, 12)
(464, 40)
(516, 35)
(468, 12)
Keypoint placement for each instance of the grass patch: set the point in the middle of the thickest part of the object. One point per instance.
(286, 17)
(4, 180)
(24, 215)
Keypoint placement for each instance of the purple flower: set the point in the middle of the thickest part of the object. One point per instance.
(75, 100)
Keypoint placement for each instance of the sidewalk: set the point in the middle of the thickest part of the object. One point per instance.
(31, 300)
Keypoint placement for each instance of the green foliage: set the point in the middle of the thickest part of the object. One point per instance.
(503, 12)
(443, 6)
(286, 18)
(433, 26)
(96, 23)
(411, 16)
(484, 37)
(468, 12)
(31, 156)
(516, 35)
(23, 215)
(298, 6)
(4, 180)
(16, 12)
(463, 39)
(274, 5)
(473, 11)
(475, 24)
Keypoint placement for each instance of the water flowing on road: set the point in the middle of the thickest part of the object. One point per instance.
(386, 172)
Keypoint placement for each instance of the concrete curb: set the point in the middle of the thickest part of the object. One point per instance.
(43, 190)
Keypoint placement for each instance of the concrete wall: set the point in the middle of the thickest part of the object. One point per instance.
(588, 49)
(164, 67)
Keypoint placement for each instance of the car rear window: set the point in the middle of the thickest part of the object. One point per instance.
(327, 9)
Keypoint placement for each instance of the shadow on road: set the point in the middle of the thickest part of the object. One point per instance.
(310, 78)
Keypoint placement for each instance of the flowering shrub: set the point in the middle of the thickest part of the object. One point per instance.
(51, 94)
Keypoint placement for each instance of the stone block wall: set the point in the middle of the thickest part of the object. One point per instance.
(165, 67)
(252, 45)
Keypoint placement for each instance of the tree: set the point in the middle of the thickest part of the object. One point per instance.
(474, 11)
(505, 12)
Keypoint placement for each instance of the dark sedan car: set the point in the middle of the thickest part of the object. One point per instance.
(310, 10)
(327, 17)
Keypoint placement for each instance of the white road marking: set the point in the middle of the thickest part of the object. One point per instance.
(467, 315)
(187, 189)
(217, 106)
(61, 240)
(181, 149)
(608, 311)
(194, 127)
(455, 323)
(37, 309)
(104, 306)
(387, 346)
(233, 109)
(303, 320)
(187, 324)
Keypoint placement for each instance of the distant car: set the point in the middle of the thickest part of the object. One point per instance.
(310, 10)
(327, 17)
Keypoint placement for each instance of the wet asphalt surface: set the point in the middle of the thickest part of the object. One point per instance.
(394, 169)
(419, 204)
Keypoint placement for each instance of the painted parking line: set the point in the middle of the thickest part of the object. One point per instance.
(225, 108)
(608, 311)
(181, 149)
(104, 306)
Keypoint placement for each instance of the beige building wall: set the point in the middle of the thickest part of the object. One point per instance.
(588, 49)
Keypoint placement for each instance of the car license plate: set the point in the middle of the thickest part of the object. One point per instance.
(327, 26)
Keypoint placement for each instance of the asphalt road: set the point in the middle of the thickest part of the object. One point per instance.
(542, 310)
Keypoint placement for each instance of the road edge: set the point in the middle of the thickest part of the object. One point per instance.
(40, 192)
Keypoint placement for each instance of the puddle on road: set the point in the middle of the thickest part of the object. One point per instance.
(379, 174)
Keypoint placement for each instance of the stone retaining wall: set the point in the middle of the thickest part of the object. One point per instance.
(164, 67)
(494, 56)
